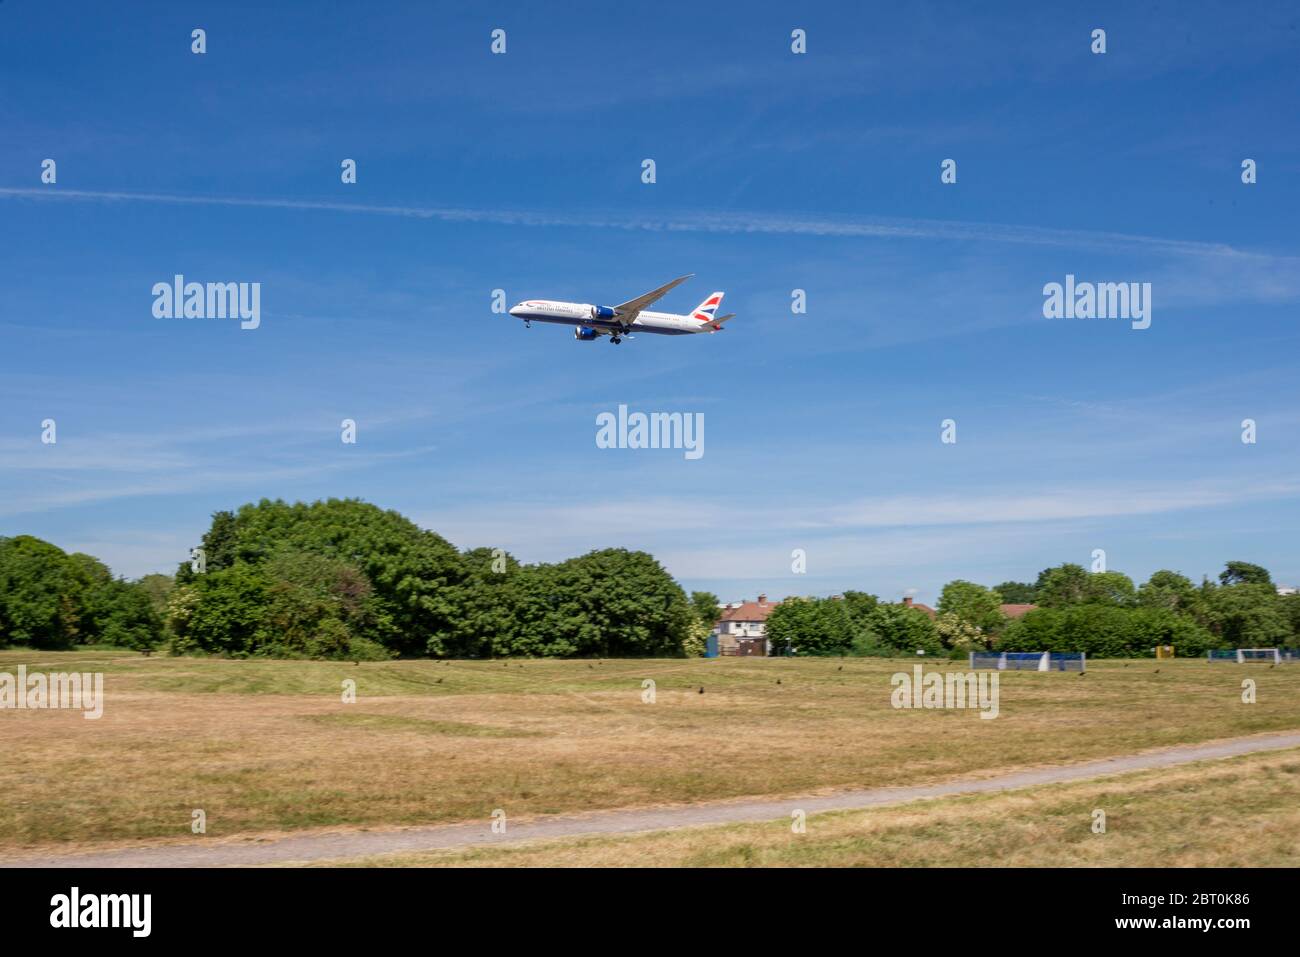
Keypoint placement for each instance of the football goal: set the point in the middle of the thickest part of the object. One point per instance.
(1243, 655)
(1029, 660)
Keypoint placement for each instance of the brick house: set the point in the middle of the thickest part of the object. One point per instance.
(742, 627)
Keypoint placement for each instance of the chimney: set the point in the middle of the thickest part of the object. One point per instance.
(907, 601)
(762, 599)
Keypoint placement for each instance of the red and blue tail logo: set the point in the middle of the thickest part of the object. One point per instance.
(706, 310)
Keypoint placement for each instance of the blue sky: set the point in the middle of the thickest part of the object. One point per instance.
(775, 171)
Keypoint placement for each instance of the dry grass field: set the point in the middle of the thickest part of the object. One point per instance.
(268, 746)
(1241, 812)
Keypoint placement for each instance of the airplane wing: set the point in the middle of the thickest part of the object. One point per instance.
(628, 311)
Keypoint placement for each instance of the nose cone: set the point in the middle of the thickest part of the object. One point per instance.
(517, 311)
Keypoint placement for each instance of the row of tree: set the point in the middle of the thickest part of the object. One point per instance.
(345, 579)
(1102, 613)
(51, 599)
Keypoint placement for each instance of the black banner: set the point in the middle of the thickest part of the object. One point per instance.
(338, 906)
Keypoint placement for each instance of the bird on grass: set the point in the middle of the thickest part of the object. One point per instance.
(701, 689)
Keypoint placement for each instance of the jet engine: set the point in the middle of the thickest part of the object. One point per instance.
(602, 312)
(585, 335)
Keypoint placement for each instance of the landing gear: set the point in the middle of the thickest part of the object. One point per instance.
(615, 339)
(527, 324)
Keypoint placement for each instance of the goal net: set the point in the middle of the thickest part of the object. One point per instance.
(1029, 660)
(1242, 655)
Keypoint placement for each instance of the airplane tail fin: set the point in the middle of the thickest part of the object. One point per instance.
(716, 324)
(705, 311)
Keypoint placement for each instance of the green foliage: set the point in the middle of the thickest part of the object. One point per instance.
(1168, 590)
(608, 603)
(1244, 573)
(861, 607)
(1070, 584)
(810, 626)
(1104, 631)
(1248, 616)
(977, 606)
(49, 599)
(898, 628)
(705, 606)
(345, 579)
(413, 573)
(1017, 593)
(222, 611)
(696, 642)
(158, 588)
(41, 594)
(959, 635)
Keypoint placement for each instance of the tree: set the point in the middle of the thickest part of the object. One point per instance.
(959, 634)
(1071, 584)
(41, 594)
(318, 607)
(158, 588)
(704, 604)
(898, 628)
(487, 603)
(861, 606)
(1103, 631)
(1017, 593)
(977, 606)
(222, 612)
(1168, 590)
(413, 574)
(696, 643)
(1244, 573)
(810, 626)
(608, 603)
(1248, 615)
(1063, 585)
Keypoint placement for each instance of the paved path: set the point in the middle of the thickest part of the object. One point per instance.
(325, 846)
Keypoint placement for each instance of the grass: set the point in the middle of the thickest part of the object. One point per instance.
(1243, 812)
(269, 746)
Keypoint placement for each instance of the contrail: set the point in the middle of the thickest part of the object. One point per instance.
(702, 222)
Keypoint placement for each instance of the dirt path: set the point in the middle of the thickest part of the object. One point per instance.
(339, 845)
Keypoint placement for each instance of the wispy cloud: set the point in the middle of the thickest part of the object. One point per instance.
(547, 530)
(697, 222)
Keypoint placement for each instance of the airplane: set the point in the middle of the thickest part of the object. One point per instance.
(591, 322)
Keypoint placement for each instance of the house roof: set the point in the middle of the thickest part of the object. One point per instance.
(908, 603)
(749, 611)
(1017, 611)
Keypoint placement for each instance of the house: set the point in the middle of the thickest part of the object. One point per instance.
(1017, 611)
(742, 628)
(908, 603)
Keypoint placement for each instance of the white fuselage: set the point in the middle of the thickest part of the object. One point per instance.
(602, 318)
